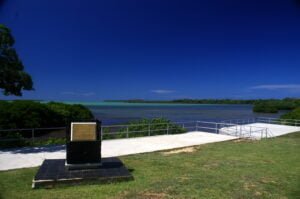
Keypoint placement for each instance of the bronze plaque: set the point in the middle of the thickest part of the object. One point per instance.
(83, 131)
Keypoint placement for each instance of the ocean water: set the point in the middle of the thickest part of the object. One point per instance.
(119, 112)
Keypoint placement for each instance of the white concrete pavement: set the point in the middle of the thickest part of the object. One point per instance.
(34, 156)
(259, 130)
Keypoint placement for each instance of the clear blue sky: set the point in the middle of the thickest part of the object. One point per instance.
(157, 49)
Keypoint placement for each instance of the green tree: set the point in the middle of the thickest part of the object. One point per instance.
(13, 78)
(295, 115)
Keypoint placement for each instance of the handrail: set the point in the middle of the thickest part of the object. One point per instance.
(290, 122)
(235, 129)
(29, 129)
(156, 124)
(122, 125)
(276, 118)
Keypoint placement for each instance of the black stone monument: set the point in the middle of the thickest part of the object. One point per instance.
(83, 160)
(83, 145)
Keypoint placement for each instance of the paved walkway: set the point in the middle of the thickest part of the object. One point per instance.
(276, 129)
(258, 130)
(34, 156)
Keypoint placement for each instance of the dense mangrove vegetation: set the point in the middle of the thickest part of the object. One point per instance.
(32, 114)
(259, 105)
(295, 114)
(144, 127)
(273, 106)
(23, 114)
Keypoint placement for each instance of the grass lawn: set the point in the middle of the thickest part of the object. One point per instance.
(235, 169)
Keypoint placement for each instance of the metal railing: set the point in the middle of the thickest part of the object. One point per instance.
(247, 131)
(28, 133)
(147, 129)
(269, 120)
(243, 129)
(116, 131)
(108, 131)
(288, 122)
(240, 121)
(237, 127)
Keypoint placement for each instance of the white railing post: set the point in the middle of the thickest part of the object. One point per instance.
(127, 131)
(240, 130)
(149, 130)
(167, 129)
(216, 128)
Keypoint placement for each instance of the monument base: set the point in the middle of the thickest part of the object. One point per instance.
(54, 171)
(83, 166)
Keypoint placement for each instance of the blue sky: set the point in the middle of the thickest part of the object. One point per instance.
(157, 49)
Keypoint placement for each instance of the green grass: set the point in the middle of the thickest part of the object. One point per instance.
(246, 169)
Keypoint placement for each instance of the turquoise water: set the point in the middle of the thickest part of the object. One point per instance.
(134, 104)
(121, 112)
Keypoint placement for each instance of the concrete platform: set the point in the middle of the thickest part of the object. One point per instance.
(34, 156)
(259, 130)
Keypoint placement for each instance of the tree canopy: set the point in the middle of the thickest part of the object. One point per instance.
(32, 114)
(13, 78)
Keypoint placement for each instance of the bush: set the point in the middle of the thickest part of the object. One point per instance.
(14, 139)
(67, 112)
(140, 128)
(295, 114)
(50, 141)
(31, 114)
(265, 108)
(272, 105)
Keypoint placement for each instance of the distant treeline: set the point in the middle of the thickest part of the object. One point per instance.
(273, 106)
(259, 105)
(188, 101)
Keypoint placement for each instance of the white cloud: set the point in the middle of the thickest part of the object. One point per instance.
(289, 87)
(85, 94)
(162, 91)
